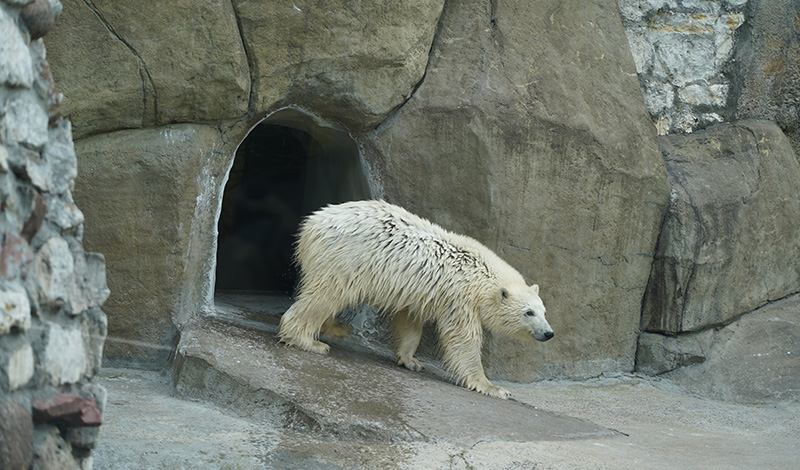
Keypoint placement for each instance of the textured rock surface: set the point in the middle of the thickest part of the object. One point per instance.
(53, 451)
(16, 436)
(752, 360)
(103, 82)
(526, 135)
(767, 66)
(520, 125)
(348, 61)
(658, 353)
(729, 242)
(116, 74)
(143, 185)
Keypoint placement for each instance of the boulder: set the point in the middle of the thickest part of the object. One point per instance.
(142, 188)
(351, 62)
(752, 360)
(169, 66)
(101, 79)
(729, 240)
(529, 133)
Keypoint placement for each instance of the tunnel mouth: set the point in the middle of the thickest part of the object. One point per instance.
(289, 165)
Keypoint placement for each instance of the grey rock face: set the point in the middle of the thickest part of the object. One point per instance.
(317, 56)
(115, 75)
(681, 51)
(146, 183)
(659, 353)
(521, 125)
(525, 135)
(729, 241)
(752, 360)
(514, 125)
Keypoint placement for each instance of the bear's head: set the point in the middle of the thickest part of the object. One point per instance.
(519, 312)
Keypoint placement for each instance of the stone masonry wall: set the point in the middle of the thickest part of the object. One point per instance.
(51, 327)
(681, 49)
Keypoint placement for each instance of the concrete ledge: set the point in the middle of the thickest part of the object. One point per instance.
(350, 395)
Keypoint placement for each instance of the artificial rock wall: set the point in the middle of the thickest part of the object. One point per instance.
(532, 126)
(719, 314)
(52, 329)
(506, 121)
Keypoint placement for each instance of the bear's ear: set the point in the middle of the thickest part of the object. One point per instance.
(503, 293)
(535, 288)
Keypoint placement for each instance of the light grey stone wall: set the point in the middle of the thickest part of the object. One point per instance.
(51, 327)
(681, 49)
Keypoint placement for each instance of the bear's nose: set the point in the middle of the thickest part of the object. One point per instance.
(548, 335)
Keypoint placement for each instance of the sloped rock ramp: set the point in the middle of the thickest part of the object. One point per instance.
(352, 395)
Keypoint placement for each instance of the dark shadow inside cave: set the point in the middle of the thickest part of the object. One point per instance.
(288, 166)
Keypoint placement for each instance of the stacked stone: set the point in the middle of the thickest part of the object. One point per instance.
(51, 327)
(681, 49)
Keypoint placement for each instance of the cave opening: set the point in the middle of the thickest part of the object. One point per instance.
(288, 166)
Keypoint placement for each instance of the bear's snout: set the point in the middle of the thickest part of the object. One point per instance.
(546, 336)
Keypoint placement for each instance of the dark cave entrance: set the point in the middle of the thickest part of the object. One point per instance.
(288, 166)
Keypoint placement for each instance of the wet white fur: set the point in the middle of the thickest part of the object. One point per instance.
(415, 271)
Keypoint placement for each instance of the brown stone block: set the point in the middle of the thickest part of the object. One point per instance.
(71, 409)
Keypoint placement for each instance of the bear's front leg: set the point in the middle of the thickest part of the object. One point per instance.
(461, 342)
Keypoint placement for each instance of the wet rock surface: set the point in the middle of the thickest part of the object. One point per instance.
(350, 395)
(658, 426)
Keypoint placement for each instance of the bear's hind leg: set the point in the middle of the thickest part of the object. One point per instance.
(407, 330)
(301, 324)
(337, 329)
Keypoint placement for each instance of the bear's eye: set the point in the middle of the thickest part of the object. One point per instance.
(529, 313)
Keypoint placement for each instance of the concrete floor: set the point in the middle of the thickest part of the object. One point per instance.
(659, 427)
(250, 403)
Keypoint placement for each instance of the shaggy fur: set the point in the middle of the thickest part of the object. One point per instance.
(416, 272)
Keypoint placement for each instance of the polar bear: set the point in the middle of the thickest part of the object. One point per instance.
(415, 272)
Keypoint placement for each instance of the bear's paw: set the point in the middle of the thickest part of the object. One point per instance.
(319, 347)
(487, 388)
(410, 363)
